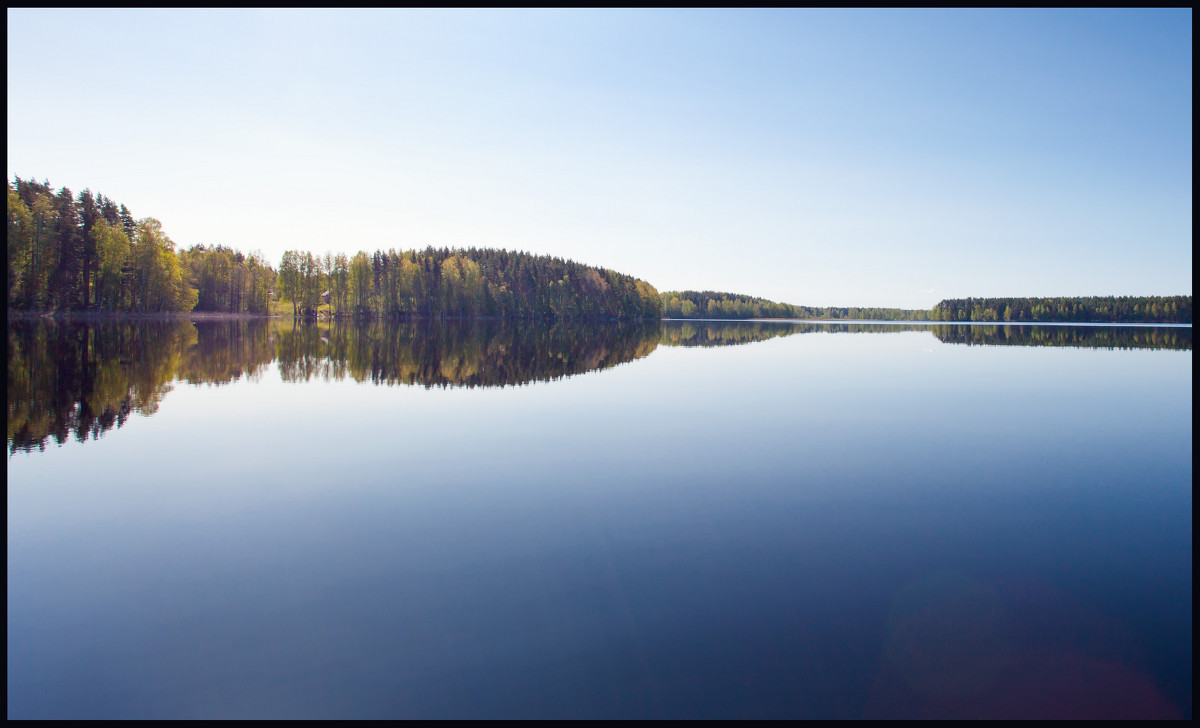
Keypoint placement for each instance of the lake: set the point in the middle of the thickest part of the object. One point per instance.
(686, 519)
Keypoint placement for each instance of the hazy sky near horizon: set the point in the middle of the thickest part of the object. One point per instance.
(819, 157)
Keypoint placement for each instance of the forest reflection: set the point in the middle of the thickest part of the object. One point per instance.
(80, 379)
(681, 333)
(1089, 337)
(472, 353)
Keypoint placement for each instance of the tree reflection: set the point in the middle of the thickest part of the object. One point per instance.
(1088, 337)
(473, 353)
(81, 379)
(727, 333)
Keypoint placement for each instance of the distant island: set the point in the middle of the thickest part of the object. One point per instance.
(88, 254)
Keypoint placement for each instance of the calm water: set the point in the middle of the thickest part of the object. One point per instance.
(253, 519)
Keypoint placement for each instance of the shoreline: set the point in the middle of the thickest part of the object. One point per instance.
(226, 316)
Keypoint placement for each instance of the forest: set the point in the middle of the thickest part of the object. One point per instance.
(1068, 309)
(461, 283)
(87, 253)
(718, 305)
(1077, 309)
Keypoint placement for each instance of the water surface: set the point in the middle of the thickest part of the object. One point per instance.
(699, 519)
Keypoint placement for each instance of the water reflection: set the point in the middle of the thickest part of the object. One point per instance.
(82, 379)
(721, 333)
(835, 525)
(726, 333)
(462, 354)
(77, 379)
(1089, 337)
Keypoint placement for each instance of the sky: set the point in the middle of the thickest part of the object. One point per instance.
(815, 157)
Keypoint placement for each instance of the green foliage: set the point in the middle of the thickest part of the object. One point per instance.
(159, 283)
(68, 253)
(228, 281)
(88, 253)
(718, 305)
(1078, 309)
(32, 252)
(470, 283)
(112, 253)
(20, 242)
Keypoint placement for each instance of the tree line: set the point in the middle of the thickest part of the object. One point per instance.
(227, 281)
(1070, 309)
(1078, 309)
(720, 305)
(461, 283)
(87, 252)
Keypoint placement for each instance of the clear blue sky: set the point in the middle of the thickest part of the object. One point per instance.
(823, 157)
